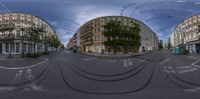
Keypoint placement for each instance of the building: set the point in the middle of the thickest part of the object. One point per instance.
(187, 34)
(92, 38)
(14, 36)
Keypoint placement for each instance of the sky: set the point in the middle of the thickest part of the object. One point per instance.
(66, 16)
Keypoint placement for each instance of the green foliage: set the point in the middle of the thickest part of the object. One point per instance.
(54, 41)
(36, 55)
(35, 33)
(169, 45)
(62, 46)
(33, 55)
(122, 37)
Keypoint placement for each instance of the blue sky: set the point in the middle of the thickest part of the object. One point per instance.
(66, 16)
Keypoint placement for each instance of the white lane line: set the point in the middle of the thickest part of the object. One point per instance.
(164, 61)
(140, 60)
(7, 88)
(25, 67)
(169, 71)
(112, 61)
(88, 59)
(184, 67)
(186, 71)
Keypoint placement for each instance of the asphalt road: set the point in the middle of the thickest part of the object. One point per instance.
(67, 75)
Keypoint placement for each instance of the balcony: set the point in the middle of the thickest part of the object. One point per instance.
(7, 27)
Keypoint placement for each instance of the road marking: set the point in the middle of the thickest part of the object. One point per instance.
(28, 74)
(18, 76)
(88, 59)
(169, 71)
(140, 60)
(166, 60)
(184, 67)
(112, 61)
(25, 67)
(192, 89)
(127, 62)
(194, 64)
(7, 88)
(186, 71)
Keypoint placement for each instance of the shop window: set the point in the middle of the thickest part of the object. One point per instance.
(17, 47)
(7, 47)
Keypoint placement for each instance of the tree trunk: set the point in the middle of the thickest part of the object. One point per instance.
(34, 47)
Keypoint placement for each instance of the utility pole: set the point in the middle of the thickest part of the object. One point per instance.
(22, 41)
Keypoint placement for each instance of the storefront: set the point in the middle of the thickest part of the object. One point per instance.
(193, 47)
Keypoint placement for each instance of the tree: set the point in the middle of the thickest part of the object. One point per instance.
(160, 44)
(35, 33)
(121, 38)
(62, 46)
(169, 45)
(54, 41)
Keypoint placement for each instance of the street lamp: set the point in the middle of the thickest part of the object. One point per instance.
(22, 41)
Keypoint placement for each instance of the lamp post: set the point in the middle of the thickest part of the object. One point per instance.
(22, 41)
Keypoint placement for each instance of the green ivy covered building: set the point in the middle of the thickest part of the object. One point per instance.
(116, 34)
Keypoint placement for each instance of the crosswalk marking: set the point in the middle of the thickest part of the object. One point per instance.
(130, 62)
(28, 74)
(18, 76)
(127, 62)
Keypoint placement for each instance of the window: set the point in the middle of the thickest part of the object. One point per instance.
(17, 47)
(29, 48)
(7, 47)
(12, 47)
(24, 47)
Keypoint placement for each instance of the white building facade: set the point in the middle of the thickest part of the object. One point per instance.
(14, 36)
(187, 33)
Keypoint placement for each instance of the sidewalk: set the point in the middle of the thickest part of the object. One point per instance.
(113, 55)
(195, 55)
(14, 57)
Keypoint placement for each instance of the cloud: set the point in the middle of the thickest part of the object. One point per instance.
(54, 23)
(89, 12)
(63, 35)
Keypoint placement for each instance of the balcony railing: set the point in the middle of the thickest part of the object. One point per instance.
(6, 26)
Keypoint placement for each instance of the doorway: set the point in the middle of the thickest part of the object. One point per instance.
(198, 48)
(0, 48)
